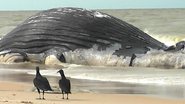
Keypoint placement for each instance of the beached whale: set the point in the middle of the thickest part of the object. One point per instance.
(55, 31)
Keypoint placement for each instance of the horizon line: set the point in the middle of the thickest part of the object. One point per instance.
(93, 9)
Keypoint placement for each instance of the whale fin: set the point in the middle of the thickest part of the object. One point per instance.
(132, 58)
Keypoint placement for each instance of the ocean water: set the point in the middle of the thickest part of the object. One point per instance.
(166, 25)
(156, 68)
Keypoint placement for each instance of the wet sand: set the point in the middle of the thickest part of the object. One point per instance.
(21, 93)
(9, 73)
(16, 87)
(93, 86)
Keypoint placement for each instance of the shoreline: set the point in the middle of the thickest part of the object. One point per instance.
(99, 87)
(21, 93)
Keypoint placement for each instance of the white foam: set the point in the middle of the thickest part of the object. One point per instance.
(153, 58)
(100, 15)
(119, 74)
(94, 56)
(162, 59)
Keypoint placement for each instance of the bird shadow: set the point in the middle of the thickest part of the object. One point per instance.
(69, 100)
(39, 99)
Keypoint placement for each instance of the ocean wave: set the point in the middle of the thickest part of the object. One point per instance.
(167, 39)
(93, 56)
(161, 59)
(139, 75)
(153, 58)
(132, 75)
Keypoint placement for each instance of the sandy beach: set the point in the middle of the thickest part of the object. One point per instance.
(105, 84)
(21, 93)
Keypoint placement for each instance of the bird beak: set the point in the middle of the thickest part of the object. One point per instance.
(57, 71)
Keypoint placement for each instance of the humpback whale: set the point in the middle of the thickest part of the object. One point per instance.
(55, 31)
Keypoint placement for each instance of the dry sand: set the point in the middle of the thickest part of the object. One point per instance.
(21, 93)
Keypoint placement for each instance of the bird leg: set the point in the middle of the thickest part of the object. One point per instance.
(67, 96)
(43, 96)
(62, 95)
(39, 93)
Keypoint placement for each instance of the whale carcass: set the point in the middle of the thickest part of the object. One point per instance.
(59, 30)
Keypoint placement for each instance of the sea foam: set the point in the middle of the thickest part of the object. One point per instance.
(153, 58)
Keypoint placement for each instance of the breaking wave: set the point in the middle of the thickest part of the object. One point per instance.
(153, 58)
(94, 56)
(161, 59)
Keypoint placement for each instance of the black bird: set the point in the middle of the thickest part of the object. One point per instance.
(41, 83)
(64, 84)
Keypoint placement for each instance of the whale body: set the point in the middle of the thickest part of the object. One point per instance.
(59, 30)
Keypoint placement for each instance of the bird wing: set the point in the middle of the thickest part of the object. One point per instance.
(35, 82)
(60, 83)
(68, 85)
(42, 83)
(65, 85)
(46, 84)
